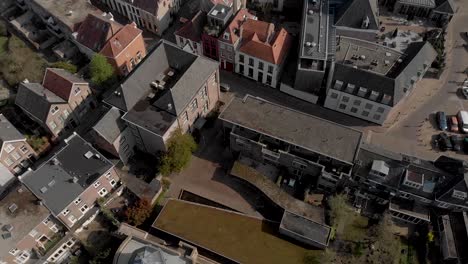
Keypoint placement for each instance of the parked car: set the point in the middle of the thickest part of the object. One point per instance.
(465, 91)
(453, 122)
(224, 87)
(444, 143)
(457, 142)
(465, 145)
(442, 120)
(463, 121)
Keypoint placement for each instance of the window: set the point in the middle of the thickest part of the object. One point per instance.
(185, 117)
(260, 65)
(77, 201)
(65, 113)
(72, 219)
(52, 125)
(9, 148)
(15, 155)
(54, 228)
(269, 79)
(442, 205)
(102, 192)
(342, 106)
(251, 62)
(204, 92)
(194, 105)
(459, 195)
(299, 164)
(24, 149)
(84, 208)
(25, 255)
(96, 184)
(113, 182)
(66, 212)
(46, 221)
(357, 102)
(365, 113)
(345, 99)
(54, 110)
(241, 68)
(77, 90)
(377, 117)
(33, 233)
(369, 106)
(334, 95)
(270, 69)
(241, 58)
(8, 162)
(108, 175)
(354, 110)
(297, 172)
(13, 251)
(251, 72)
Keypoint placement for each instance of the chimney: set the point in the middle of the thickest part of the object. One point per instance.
(169, 107)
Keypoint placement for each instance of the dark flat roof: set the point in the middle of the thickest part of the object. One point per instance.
(307, 131)
(305, 228)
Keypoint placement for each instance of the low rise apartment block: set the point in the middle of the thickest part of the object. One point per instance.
(27, 227)
(123, 46)
(16, 155)
(153, 15)
(171, 89)
(262, 51)
(311, 149)
(70, 182)
(59, 103)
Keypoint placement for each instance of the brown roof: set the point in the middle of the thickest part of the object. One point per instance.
(259, 41)
(96, 30)
(121, 40)
(150, 6)
(233, 29)
(60, 82)
(193, 29)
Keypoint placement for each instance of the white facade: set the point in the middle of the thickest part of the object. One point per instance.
(256, 69)
(357, 106)
(189, 45)
(156, 23)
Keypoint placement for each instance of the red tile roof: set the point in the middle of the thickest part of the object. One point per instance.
(260, 41)
(233, 29)
(121, 40)
(193, 29)
(96, 30)
(60, 82)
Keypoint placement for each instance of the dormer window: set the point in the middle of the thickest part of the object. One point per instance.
(54, 110)
(379, 169)
(226, 36)
(77, 90)
(413, 179)
(459, 195)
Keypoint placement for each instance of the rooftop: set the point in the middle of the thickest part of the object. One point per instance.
(220, 11)
(36, 99)
(232, 32)
(70, 12)
(96, 30)
(300, 129)
(110, 126)
(366, 55)
(71, 170)
(8, 132)
(60, 82)
(359, 14)
(27, 215)
(150, 6)
(305, 228)
(224, 231)
(121, 40)
(193, 29)
(315, 25)
(424, 3)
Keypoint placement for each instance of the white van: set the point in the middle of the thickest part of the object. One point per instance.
(463, 121)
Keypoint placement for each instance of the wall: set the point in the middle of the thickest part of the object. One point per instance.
(60, 118)
(80, 102)
(311, 98)
(196, 47)
(28, 153)
(122, 62)
(274, 74)
(309, 80)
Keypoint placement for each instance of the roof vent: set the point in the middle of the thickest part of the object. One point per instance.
(74, 179)
(97, 156)
(88, 154)
(55, 161)
(12, 208)
(386, 62)
(51, 183)
(362, 57)
(311, 12)
(388, 54)
(169, 107)
(69, 13)
(399, 60)
(308, 44)
(314, 44)
(223, 10)
(44, 189)
(117, 93)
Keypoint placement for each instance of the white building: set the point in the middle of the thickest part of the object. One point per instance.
(153, 15)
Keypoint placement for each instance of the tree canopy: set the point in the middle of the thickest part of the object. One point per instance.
(179, 152)
(137, 214)
(100, 70)
(65, 65)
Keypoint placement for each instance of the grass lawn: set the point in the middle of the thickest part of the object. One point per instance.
(355, 228)
(241, 238)
(409, 257)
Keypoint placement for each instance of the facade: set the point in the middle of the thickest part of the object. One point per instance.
(153, 15)
(123, 46)
(371, 82)
(113, 135)
(217, 18)
(166, 94)
(27, 227)
(16, 155)
(188, 37)
(308, 148)
(230, 40)
(262, 52)
(59, 103)
(440, 11)
(70, 182)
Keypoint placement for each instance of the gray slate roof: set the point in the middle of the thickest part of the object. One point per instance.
(354, 12)
(110, 125)
(7, 131)
(445, 6)
(305, 228)
(424, 3)
(307, 131)
(36, 100)
(52, 181)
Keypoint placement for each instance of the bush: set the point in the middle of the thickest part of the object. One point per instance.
(100, 70)
(36, 142)
(65, 65)
(137, 214)
(180, 149)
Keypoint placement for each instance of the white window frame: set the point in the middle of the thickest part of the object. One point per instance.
(102, 192)
(15, 155)
(46, 221)
(65, 212)
(8, 162)
(33, 233)
(24, 149)
(54, 228)
(113, 182)
(86, 208)
(54, 110)
(14, 251)
(52, 125)
(77, 201)
(108, 175)
(9, 148)
(97, 184)
(72, 219)
(459, 195)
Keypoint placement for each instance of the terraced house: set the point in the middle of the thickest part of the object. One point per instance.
(59, 103)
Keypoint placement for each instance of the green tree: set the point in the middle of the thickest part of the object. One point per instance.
(65, 65)
(100, 70)
(339, 211)
(311, 257)
(137, 214)
(101, 257)
(179, 152)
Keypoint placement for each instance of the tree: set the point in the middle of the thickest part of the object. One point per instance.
(339, 211)
(101, 257)
(65, 65)
(179, 152)
(100, 70)
(137, 214)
